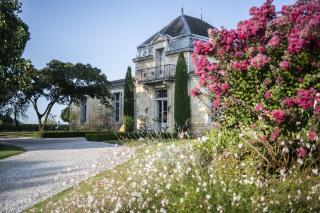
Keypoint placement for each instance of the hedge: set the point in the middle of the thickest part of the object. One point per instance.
(62, 134)
(105, 136)
(32, 127)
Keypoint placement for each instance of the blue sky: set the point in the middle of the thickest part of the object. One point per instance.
(105, 33)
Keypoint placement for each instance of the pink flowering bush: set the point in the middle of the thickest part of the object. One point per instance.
(266, 77)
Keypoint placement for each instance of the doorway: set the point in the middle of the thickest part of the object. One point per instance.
(161, 110)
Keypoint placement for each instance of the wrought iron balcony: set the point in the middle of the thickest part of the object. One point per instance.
(155, 74)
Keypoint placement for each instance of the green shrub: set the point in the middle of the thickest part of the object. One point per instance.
(32, 127)
(106, 136)
(128, 123)
(267, 80)
(62, 134)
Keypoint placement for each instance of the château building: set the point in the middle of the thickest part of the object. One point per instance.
(154, 80)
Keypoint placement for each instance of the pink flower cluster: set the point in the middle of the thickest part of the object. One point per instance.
(306, 99)
(260, 17)
(267, 95)
(259, 61)
(202, 47)
(301, 152)
(241, 65)
(285, 65)
(275, 134)
(259, 107)
(195, 92)
(312, 135)
(278, 115)
(274, 41)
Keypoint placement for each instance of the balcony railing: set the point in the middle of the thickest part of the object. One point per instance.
(154, 74)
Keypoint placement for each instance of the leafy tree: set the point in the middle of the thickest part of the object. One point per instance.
(181, 97)
(13, 37)
(18, 107)
(128, 94)
(65, 114)
(62, 83)
(6, 118)
(128, 108)
(14, 111)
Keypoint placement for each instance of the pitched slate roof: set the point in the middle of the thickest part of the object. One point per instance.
(183, 25)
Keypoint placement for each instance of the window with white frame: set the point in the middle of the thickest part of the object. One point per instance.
(116, 107)
(83, 112)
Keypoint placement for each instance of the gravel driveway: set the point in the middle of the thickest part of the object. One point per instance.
(50, 166)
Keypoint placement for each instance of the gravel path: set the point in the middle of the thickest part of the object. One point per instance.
(51, 165)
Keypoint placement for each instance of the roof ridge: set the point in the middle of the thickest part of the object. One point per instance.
(185, 23)
(199, 19)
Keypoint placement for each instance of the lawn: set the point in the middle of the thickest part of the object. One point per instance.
(17, 134)
(9, 150)
(173, 177)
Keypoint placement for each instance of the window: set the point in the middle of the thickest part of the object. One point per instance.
(161, 93)
(83, 112)
(159, 57)
(159, 62)
(116, 107)
(162, 105)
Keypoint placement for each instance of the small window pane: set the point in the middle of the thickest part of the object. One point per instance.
(161, 93)
(116, 107)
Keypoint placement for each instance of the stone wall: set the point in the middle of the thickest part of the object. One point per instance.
(98, 117)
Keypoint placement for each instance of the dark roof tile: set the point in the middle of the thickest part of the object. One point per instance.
(183, 25)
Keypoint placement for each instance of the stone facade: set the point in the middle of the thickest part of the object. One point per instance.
(154, 82)
(92, 115)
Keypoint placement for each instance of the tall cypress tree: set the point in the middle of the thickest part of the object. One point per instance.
(181, 97)
(128, 108)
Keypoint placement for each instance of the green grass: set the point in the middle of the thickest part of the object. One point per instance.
(17, 134)
(9, 150)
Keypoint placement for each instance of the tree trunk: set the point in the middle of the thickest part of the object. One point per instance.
(39, 122)
(16, 121)
(46, 117)
(41, 115)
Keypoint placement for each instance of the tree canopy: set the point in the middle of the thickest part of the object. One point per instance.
(65, 83)
(13, 38)
(65, 114)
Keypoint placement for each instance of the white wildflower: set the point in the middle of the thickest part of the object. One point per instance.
(315, 171)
